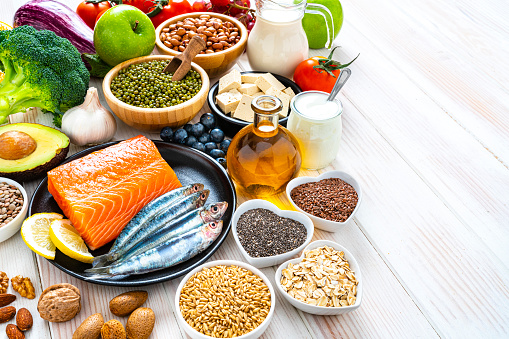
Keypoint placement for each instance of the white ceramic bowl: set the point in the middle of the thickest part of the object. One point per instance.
(276, 259)
(194, 334)
(322, 310)
(324, 224)
(11, 228)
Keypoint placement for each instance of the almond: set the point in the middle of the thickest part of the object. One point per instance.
(7, 313)
(125, 303)
(113, 329)
(13, 332)
(140, 323)
(6, 299)
(24, 319)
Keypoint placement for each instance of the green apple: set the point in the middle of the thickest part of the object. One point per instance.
(314, 24)
(123, 32)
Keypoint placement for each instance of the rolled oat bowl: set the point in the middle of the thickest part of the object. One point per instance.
(205, 312)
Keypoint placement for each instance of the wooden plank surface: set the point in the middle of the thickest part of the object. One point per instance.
(425, 131)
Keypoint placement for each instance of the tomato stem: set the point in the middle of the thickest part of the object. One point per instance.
(330, 65)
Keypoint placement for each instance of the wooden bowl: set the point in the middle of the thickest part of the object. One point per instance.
(153, 119)
(215, 64)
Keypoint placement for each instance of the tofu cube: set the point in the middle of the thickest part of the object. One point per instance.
(250, 78)
(267, 80)
(248, 89)
(257, 94)
(230, 81)
(285, 99)
(244, 111)
(289, 91)
(228, 101)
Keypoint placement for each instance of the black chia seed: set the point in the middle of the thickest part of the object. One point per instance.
(263, 233)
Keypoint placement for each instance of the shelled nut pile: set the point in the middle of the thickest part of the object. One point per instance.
(217, 34)
(11, 202)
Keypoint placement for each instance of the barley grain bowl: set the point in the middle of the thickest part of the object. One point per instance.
(252, 306)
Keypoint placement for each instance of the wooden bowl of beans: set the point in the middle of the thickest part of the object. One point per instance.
(226, 39)
(153, 115)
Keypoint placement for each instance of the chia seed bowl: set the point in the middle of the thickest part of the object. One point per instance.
(265, 261)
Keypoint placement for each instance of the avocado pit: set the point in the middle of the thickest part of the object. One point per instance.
(15, 145)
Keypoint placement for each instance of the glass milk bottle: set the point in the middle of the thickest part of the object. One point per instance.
(316, 123)
(278, 43)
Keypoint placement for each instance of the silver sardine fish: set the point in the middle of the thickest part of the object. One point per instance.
(178, 226)
(170, 253)
(171, 211)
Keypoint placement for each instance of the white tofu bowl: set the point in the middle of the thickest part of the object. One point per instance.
(14, 226)
(261, 262)
(258, 331)
(323, 310)
(321, 223)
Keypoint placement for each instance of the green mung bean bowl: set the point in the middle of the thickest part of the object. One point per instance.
(261, 262)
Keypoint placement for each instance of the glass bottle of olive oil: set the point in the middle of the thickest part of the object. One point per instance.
(264, 156)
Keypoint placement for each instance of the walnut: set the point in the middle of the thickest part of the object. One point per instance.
(4, 282)
(23, 286)
(59, 303)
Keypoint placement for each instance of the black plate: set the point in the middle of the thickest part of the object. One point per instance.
(231, 126)
(190, 166)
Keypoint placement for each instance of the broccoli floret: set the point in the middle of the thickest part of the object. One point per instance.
(41, 70)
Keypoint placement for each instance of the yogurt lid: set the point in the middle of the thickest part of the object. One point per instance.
(314, 105)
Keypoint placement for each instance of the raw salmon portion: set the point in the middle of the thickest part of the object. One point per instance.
(102, 191)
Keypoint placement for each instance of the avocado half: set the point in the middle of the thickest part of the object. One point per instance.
(28, 151)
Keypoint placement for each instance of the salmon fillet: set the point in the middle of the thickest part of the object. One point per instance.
(102, 191)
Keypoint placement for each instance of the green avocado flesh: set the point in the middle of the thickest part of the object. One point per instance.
(51, 150)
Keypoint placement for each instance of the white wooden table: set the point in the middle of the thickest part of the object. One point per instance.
(426, 131)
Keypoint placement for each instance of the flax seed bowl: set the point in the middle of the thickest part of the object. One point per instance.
(332, 283)
(13, 198)
(205, 306)
(226, 39)
(329, 200)
(267, 235)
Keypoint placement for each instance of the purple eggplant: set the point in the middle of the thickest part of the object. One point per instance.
(57, 17)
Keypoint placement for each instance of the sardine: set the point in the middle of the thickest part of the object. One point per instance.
(170, 253)
(178, 226)
(171, 211)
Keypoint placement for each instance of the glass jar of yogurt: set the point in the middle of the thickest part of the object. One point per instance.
(316, 123)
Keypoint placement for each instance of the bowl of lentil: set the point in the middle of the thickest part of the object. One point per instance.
(144, 97)
(241, 304)
(226, 39)
(267, 235)
(327, 280)
(13, 207)
(329, 200)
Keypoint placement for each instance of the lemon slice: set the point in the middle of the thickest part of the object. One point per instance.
(35, 233)
(68, 241)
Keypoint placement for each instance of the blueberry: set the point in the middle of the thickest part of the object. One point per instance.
(216, 153)
(166, 134)
(197, 130)
(209, 146)
(208, 120)
(221, 161)
(190, 140)
(223, 146)
(217, 135)
(188, 127)
(204, 138)
(199, 146)
(180, 135)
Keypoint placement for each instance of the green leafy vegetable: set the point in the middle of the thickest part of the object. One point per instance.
(99, 67)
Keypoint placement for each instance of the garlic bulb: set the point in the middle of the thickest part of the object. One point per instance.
(89, 123)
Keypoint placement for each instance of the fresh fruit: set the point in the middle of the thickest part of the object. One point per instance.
(199, 6)
(68, 241)
(318, 73)
(122, 33)
(199, 146)
(31, 150)
(221, 161)
(35, 233)
(188, 127)
(123, 304)
(88, 11)
(314, 24)
(223, 146)
(217, 135)
(209, 146)
(208, 120)
(179, 136)
(166, 134)
(162, 10)
(190, 140)
(217, 153)
(204, 138)
(197, 129)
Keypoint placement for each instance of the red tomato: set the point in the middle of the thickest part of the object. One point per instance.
(173, 8)
(199, 6)
(88, 11)
(310, 79)
(140, 4)
(100, 15)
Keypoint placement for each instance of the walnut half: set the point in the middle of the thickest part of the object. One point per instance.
(23, 286)
(4, 282)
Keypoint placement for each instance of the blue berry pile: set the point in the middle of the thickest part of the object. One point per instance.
(203, 136)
